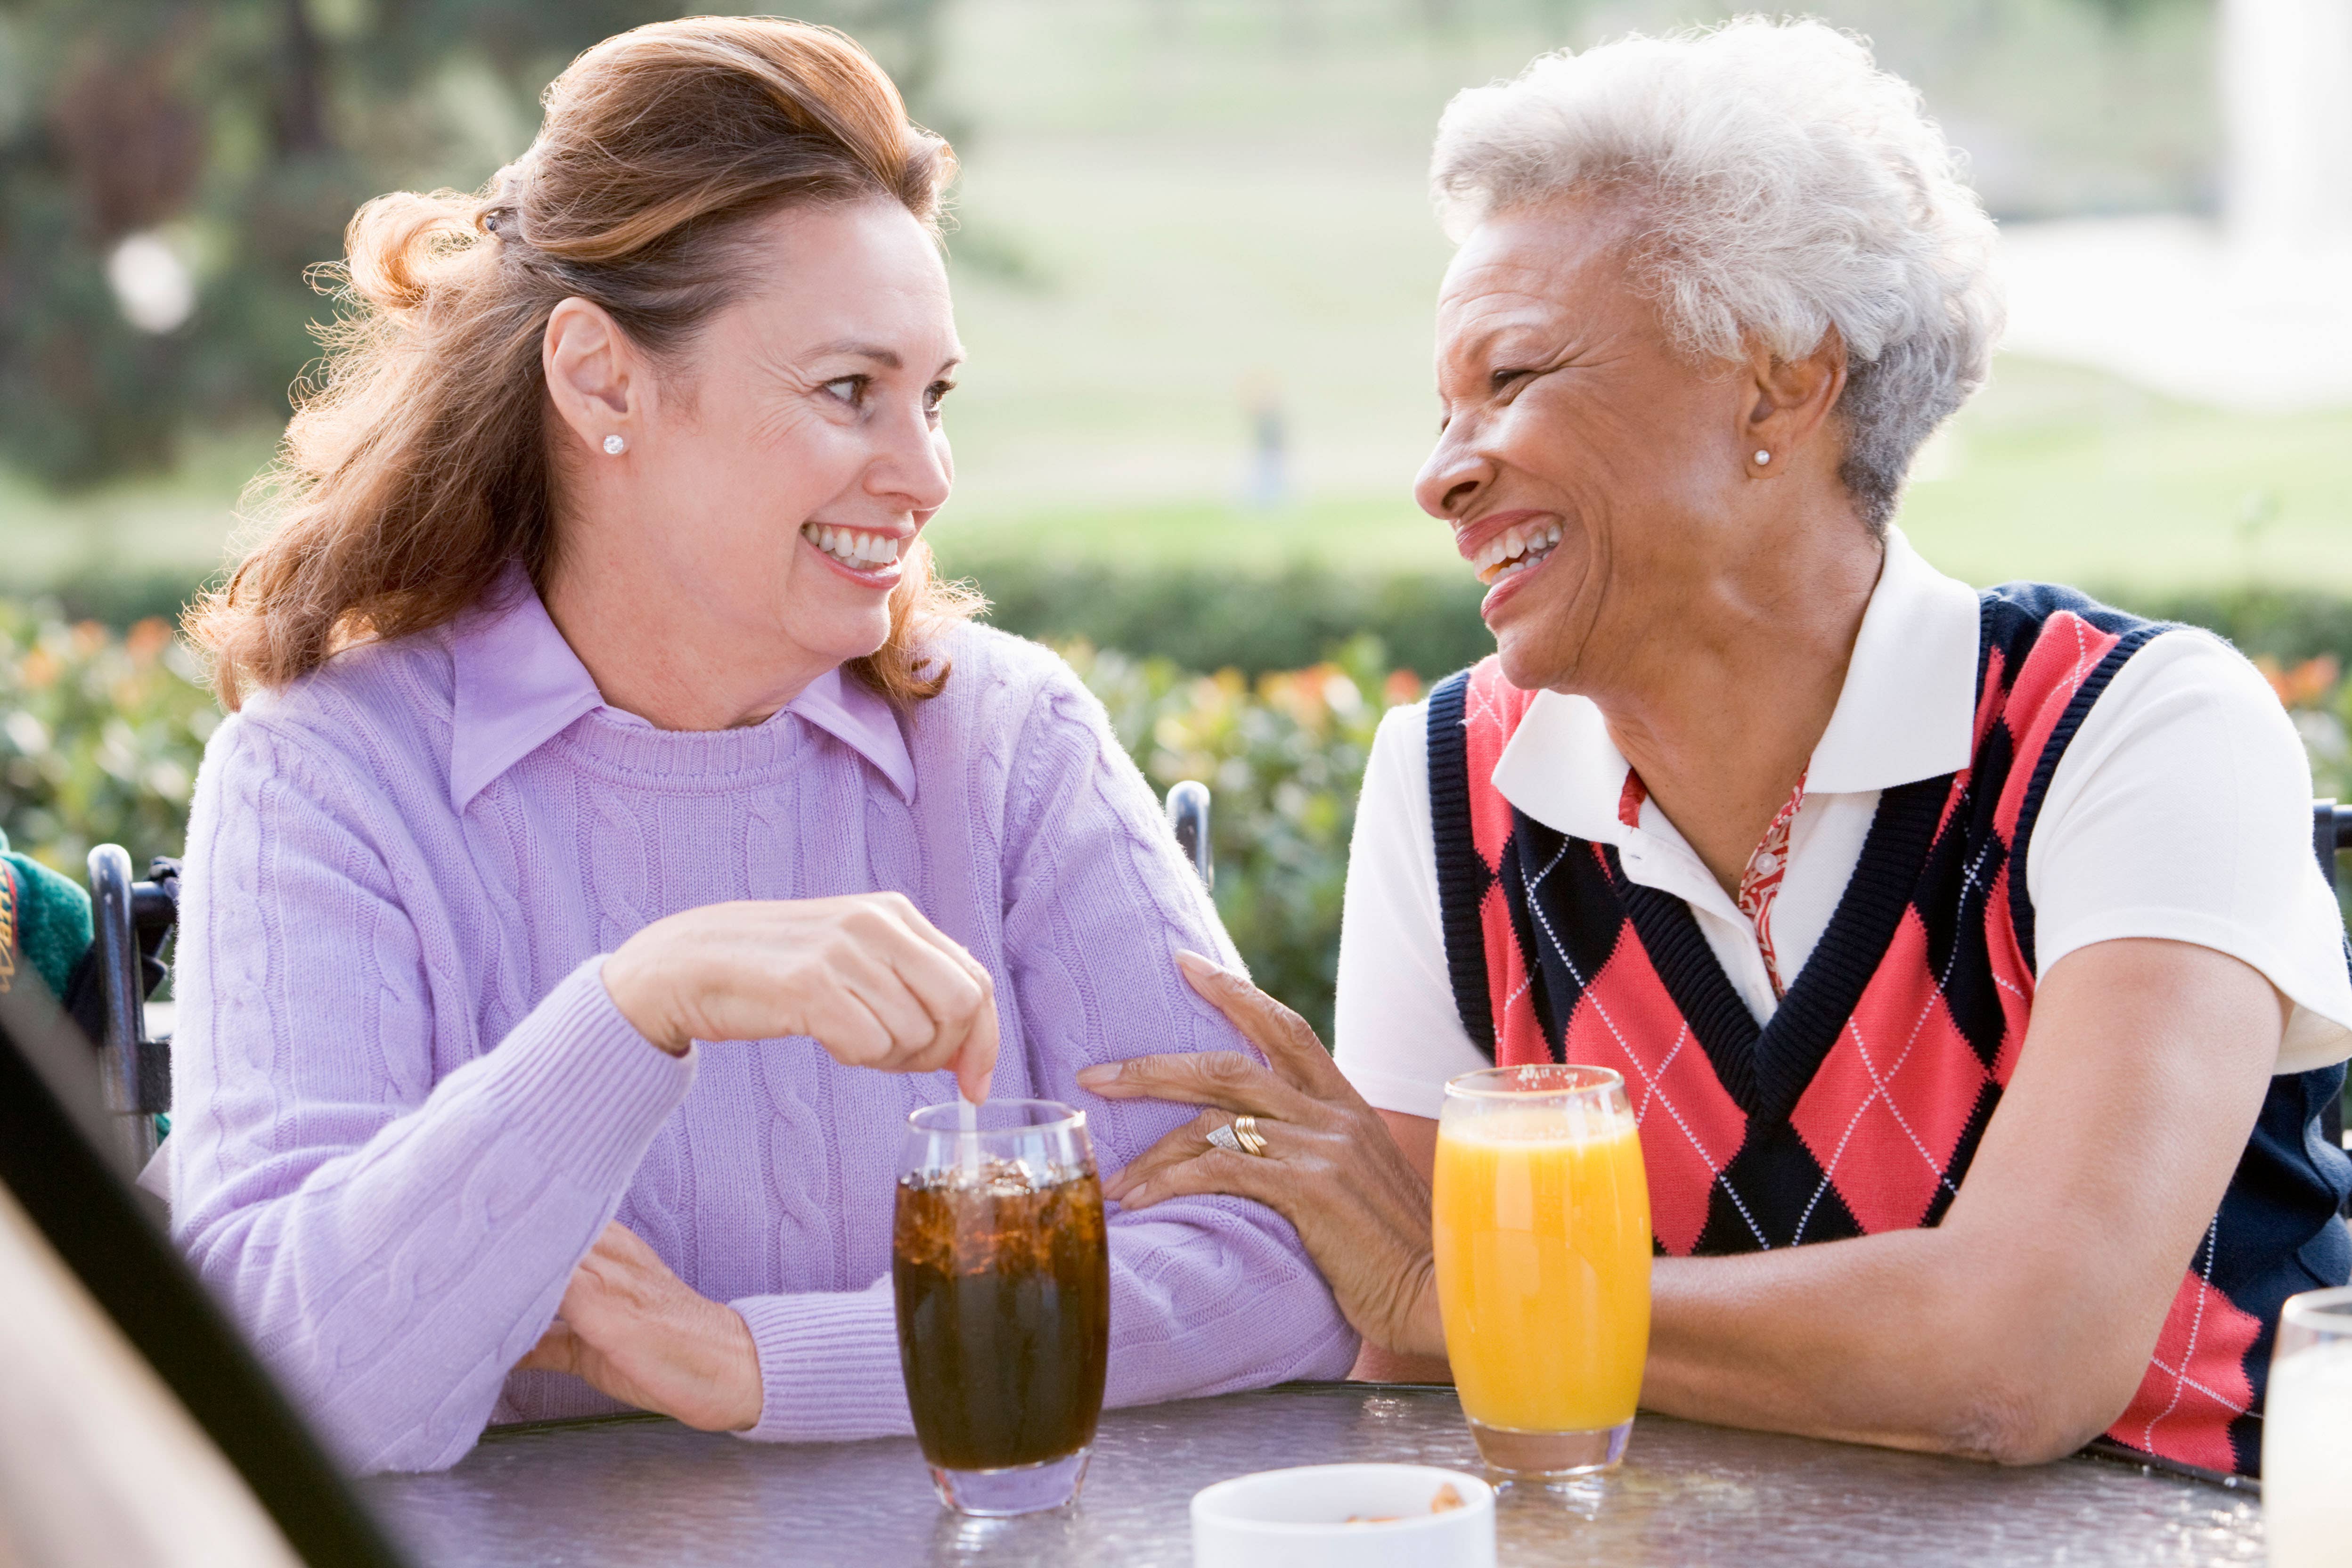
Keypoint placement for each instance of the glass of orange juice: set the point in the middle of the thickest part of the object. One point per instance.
(1542, 1231)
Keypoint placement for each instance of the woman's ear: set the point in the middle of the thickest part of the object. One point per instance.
(1792, 401)
(594, 375)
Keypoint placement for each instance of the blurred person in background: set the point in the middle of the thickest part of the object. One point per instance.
(621, 830)
(1964, 954)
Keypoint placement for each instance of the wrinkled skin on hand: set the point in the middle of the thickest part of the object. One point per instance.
(630, 1328)
(1330, 1167)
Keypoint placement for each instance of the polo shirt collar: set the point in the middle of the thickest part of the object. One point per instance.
(1906, 712)
(517, 685)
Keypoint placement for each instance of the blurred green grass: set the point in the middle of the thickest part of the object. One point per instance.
(2054, 473)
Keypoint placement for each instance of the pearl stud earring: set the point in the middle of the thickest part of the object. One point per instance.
(615, 446)
(1762, 456)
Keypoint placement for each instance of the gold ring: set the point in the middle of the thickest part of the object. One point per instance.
(1246, 1133)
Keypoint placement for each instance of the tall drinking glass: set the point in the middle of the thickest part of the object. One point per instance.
(1003, 1291)
(2307, 1431)
(1543, 1232)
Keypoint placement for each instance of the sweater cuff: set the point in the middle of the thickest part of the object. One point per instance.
(829, 1366)
(581, 1088)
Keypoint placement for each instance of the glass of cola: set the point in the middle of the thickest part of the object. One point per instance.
(1004, 1295)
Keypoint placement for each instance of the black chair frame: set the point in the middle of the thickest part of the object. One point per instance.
(107, 996)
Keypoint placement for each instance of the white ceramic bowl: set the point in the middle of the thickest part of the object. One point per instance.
(1298, 1519)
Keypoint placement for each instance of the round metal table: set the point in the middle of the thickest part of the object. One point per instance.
(638, 1489)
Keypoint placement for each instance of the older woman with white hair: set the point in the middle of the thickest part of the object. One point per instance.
(1963, 954)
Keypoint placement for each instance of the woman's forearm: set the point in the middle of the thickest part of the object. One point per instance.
(1874, 1340)
(1908, 1339)
(2021, 1325)
(393, 1280)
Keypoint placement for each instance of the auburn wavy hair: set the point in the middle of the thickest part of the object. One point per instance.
(416, 464)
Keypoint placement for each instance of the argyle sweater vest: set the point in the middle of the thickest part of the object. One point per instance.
(1858, 1107)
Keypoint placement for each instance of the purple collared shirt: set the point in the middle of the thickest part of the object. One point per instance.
(518, 684)
(404, 1106)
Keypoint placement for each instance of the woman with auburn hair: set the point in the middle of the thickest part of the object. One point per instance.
(620, 829)
(1963, 954)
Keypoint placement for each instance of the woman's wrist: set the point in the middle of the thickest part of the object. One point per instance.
(744, 1391)
(636, 980)
(1425, 1323)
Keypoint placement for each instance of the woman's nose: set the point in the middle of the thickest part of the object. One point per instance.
(916, 467)
(1450, 479)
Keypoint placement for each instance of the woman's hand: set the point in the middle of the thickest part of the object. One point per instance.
(866, 976)
(630, 1328)
(1330, 1168)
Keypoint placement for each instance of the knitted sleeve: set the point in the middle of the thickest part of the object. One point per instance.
(392, 1223)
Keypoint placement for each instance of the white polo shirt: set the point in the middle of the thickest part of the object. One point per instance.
(2181, 810)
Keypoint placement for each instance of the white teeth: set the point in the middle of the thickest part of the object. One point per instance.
(853, 548)
(1515, 550)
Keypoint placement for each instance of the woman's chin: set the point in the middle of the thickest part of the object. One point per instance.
(848, 650)
(1522, 667)
(1535, 616)
(1528, 649)
(824, 615)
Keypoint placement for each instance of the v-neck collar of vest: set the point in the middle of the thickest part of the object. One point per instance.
(1767, 1068)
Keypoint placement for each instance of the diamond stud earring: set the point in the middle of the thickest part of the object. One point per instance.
(1762, 456)
(615, 446)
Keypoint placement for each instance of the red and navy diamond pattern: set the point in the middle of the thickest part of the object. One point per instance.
(1858, 1108)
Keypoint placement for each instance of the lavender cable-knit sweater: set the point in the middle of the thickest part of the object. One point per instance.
(404, 1106)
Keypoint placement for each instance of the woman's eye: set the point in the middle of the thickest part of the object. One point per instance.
(933, 394)
(850, 389)
(1503, 378)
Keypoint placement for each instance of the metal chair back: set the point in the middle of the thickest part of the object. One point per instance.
(1188, 815)
(130, 921)
(2331, 831)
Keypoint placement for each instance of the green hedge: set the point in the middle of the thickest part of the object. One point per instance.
(1203, 619)
(1197, 619)
(100, 735)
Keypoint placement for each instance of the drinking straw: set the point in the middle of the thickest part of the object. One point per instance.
(968, 1137)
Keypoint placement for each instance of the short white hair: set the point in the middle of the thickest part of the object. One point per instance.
(1783, 186)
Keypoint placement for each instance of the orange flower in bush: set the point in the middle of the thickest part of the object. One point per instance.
(2308, 685)
(99, 736)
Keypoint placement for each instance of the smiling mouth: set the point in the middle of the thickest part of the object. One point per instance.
(1515, 550)
(855, 548)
